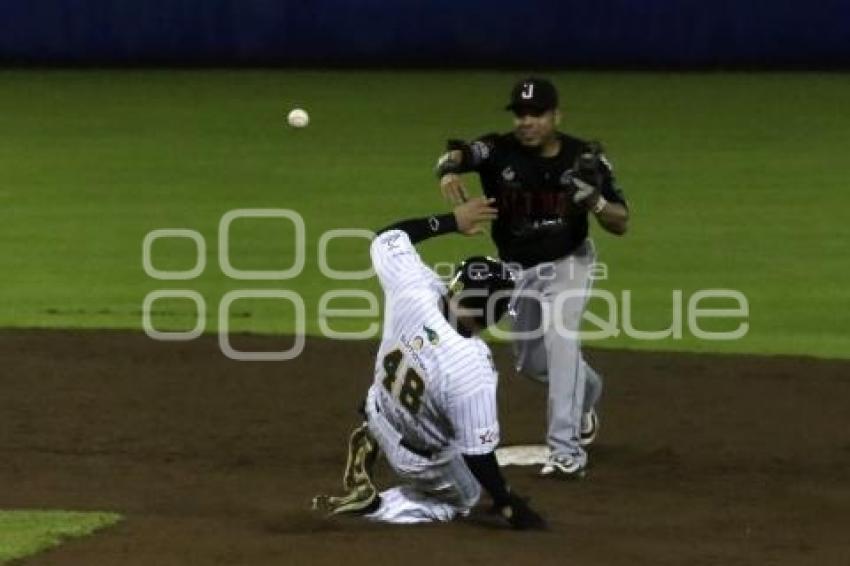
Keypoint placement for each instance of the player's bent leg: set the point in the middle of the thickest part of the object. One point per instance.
(361, 494)
(565, 400)
(589, 428)
(437, 490)
(363, 451)
(590, 417)
(529, 348)
(450, 480)
(438, 487)
(405, 505)
(530, 360)
(567, 376)
(592, 387)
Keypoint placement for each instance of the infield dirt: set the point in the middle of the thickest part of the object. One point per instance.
(701, 459)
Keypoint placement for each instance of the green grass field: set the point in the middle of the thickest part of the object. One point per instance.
(735, 181)
(23, 533)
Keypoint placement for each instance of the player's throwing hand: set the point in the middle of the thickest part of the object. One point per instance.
(452, 188)
(472, 213)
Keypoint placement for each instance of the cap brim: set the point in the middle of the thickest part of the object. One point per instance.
(513, 106)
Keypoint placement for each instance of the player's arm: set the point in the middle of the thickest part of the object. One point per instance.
(473, 415)
(465, 219)
(612, 216)
(394, 255)
(461, 157)
(606, 203)
(514, 509)
(597, 190)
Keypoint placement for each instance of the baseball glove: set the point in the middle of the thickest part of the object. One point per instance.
(588, 165)
(587, 174)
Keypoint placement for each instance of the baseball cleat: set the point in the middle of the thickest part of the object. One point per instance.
(361, 495)
(362, 454)
(362, 500)
(562, 467)
(589, 428)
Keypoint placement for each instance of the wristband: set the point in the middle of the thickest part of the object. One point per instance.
(600, 204)
(446, 165)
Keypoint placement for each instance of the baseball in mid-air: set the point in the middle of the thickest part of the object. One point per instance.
(298, 118)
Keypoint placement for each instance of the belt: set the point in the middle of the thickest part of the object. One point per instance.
(427, 454)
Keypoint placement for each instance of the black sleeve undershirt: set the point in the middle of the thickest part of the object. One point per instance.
(419, 229)
(485, 468)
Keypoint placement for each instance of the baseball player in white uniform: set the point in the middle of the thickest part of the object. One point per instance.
(432, 406)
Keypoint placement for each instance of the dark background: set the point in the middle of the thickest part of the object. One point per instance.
(438, 33)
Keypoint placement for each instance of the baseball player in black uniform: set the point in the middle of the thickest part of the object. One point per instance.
(546, 184)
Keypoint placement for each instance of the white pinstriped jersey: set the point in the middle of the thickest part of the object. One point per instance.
(436, 387)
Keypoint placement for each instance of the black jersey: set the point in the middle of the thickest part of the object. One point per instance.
(538, 221)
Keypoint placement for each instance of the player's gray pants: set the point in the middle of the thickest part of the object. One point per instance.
(553, 353)
(436, 489)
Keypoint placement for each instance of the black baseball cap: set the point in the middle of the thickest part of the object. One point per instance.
(535, 94)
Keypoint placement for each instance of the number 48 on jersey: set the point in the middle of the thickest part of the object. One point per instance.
(408, 391)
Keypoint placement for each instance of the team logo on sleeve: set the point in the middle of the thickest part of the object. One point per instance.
(392, 241)
(508, 174)
(480, 150)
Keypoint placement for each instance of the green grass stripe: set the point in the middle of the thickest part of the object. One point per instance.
(23, 533)
(736, 180)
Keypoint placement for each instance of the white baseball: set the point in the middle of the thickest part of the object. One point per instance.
(298, 118)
